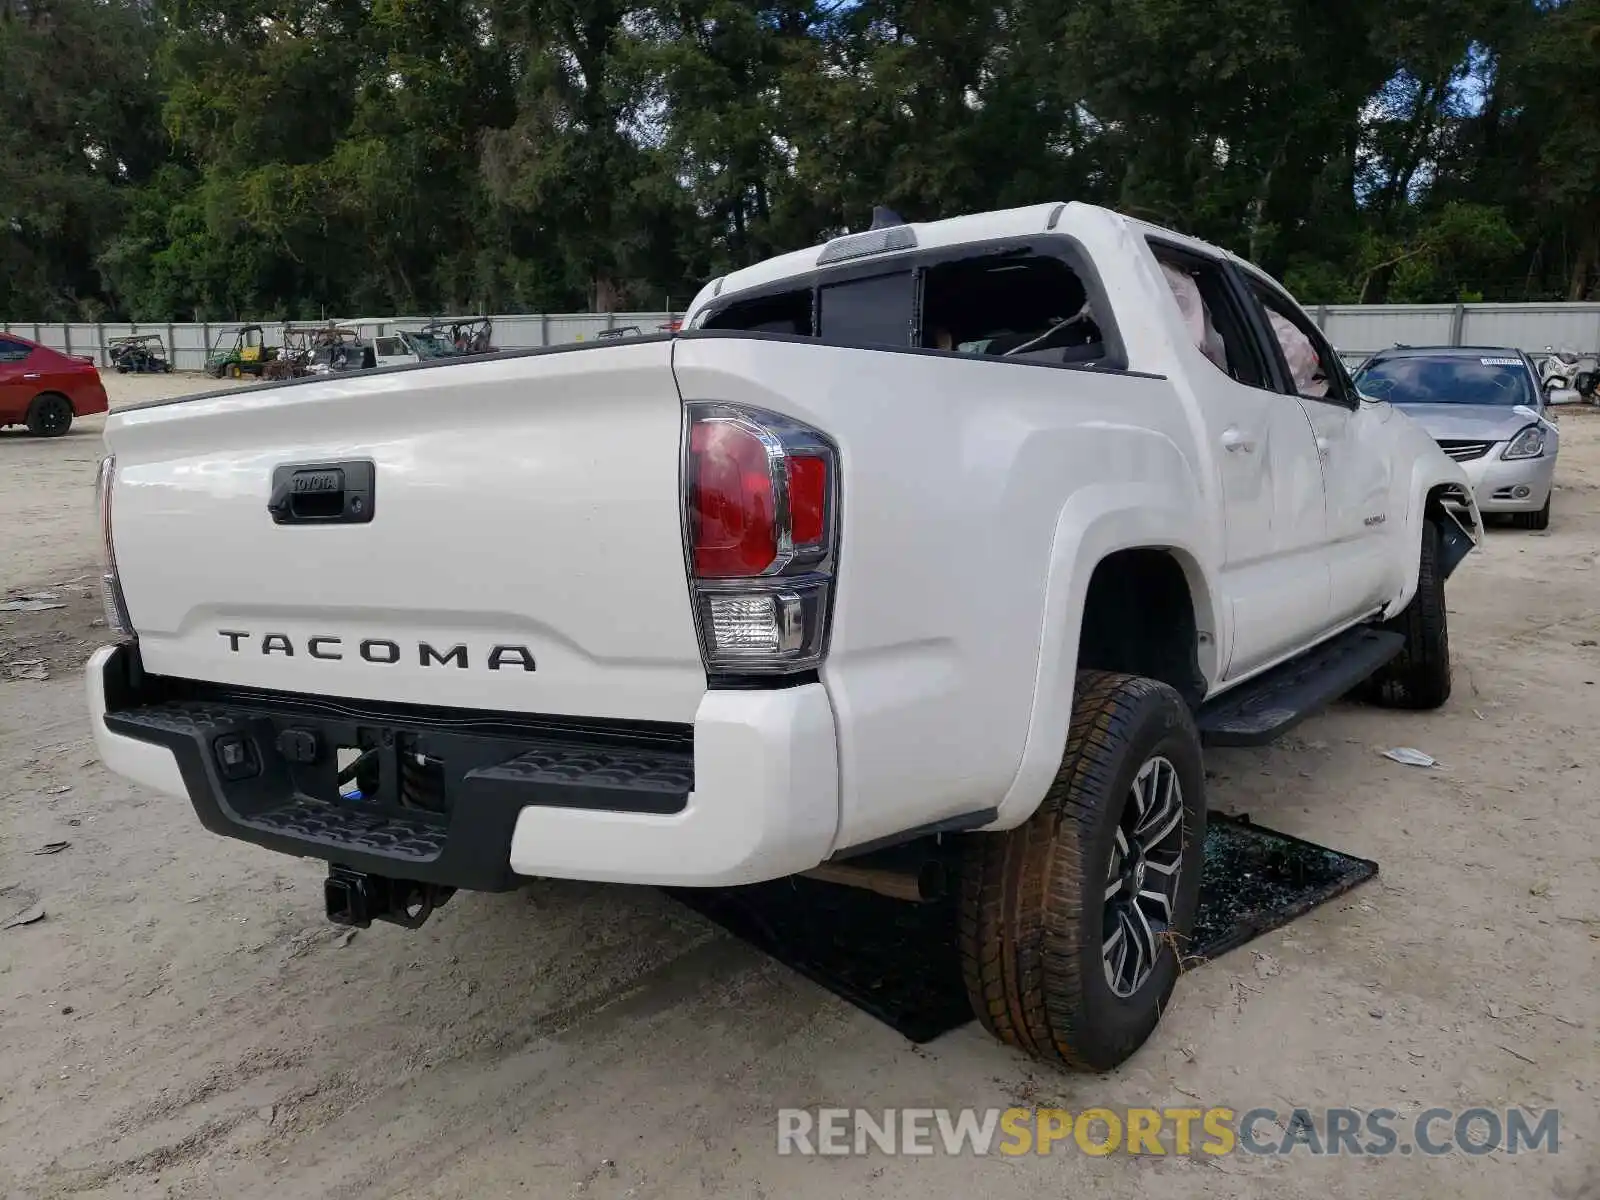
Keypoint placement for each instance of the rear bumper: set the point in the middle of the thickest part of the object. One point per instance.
(91, 400)
(749, 792)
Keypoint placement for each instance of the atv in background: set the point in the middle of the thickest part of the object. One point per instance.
(247, 355)
(294, 359)
(459, 336)
(336, 348)
(320, 350)
(140, 354)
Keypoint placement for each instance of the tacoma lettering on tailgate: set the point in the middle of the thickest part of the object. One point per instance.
(379, 650)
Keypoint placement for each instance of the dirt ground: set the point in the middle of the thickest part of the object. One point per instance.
(183, 1023)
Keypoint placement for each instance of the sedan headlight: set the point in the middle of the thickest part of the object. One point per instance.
(1529, 443)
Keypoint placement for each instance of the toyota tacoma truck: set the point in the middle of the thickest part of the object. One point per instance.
(954, 540)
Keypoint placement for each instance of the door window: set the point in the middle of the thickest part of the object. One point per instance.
(13, 351)
(1310, 366)
(1213, 316)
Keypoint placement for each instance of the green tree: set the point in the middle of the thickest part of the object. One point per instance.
(78, 109)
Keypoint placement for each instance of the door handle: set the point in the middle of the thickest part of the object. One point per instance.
(1322, 448)
(322, 493)
(1236, 441)
(30, 375)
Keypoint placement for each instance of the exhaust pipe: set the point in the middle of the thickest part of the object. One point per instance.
(917, 883)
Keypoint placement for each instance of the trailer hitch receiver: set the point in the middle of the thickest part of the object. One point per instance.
(358, 899)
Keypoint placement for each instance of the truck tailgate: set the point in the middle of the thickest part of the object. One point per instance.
(524, 551)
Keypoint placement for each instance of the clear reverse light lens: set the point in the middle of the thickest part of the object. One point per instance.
(1529, 443)
(757, 625)
(117, 622)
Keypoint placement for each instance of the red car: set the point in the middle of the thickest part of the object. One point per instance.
(45, 389)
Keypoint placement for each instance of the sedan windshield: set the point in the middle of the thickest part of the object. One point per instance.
(1448, 379)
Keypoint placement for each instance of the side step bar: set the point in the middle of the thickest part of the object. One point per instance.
(1256, 712)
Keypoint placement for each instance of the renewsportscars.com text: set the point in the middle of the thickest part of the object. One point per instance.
(1178, 1131)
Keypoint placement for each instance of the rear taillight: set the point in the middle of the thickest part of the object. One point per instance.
(116, 607)
(761, 521)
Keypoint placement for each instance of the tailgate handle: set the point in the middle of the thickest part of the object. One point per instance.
(338, 493)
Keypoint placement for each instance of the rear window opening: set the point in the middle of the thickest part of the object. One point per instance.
(785, 313)
(1034, 308)
(1018, 304)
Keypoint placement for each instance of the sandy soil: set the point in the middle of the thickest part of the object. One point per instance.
(183, 1023)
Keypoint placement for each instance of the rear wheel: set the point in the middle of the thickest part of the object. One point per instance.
(1072, 923)
(1419, 677)
(49, 416)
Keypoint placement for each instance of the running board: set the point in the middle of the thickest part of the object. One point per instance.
(1256, 712)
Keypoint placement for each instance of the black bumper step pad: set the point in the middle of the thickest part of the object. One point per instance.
(448, 794)
(898, 961)
(348, 828)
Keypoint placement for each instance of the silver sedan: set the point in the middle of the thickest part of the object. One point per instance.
(1486, 410)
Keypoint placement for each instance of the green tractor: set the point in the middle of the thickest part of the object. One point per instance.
(248, 355)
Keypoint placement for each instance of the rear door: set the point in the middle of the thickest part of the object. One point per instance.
(1274, 574)
(1352, 448)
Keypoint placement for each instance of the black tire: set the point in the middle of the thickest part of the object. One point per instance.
(1034, 913)
(49, 415)
(1535, 520)
(1419, 676)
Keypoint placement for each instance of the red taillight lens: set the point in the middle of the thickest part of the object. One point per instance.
(808, 500)
(760, 497)
(731, 502)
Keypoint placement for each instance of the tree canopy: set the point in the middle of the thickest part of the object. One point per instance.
(217, 159)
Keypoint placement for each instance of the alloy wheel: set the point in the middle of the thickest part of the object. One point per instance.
(1141, 886)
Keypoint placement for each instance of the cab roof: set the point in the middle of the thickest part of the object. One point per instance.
(1032, 220)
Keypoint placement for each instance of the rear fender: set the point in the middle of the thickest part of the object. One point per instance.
(1096, 522)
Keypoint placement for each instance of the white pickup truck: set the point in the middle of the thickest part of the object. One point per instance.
(949, 539)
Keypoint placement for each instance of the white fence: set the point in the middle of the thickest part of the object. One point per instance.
(187, 344)
(1359, 329)
(1356, 329)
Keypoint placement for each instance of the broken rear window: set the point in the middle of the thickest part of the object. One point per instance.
(1012, 302)
(1025, 306)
